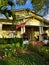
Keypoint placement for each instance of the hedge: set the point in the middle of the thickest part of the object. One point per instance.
(10, 40)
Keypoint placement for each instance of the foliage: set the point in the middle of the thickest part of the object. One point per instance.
(5, 11)
(3, 3)
(38, 4)
(31, 58)
(10, 40)
(21, 2)
(43, 51)
(9, 45)
(24, 59)
(4, 62)
(6, 2)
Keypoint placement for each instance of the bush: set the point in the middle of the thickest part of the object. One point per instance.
(43, 51)
(10, 40)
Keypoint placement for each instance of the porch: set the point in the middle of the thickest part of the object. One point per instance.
(33, 32)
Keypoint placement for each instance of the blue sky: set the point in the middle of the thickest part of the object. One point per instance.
(27, 5)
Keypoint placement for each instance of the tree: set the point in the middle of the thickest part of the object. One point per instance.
(21, 2)
(39, 5)
(5, 11)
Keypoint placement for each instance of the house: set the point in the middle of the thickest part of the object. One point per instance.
(28, 22)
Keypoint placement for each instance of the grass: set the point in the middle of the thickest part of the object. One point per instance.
(24, 59)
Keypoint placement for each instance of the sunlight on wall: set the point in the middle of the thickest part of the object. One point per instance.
(33, 22)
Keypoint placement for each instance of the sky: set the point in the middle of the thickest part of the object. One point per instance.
(27, 5)
(47, 17)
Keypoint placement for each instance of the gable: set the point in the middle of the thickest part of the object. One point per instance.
(28, 16)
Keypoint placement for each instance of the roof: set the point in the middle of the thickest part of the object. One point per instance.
(34, 14)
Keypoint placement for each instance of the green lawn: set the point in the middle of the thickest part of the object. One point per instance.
(24, 59)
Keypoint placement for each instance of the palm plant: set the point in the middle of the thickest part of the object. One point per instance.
(5, 11)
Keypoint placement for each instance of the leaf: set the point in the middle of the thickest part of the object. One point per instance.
(3, 3)
(38, 4)
(21, 2)
(10, 2)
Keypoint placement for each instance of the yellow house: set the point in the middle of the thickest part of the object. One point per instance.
(28, 21)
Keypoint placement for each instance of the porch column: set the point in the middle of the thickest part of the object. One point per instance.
(22, 30)
(23, 26)
(48, 31)
(40, 33)
(0, 30)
